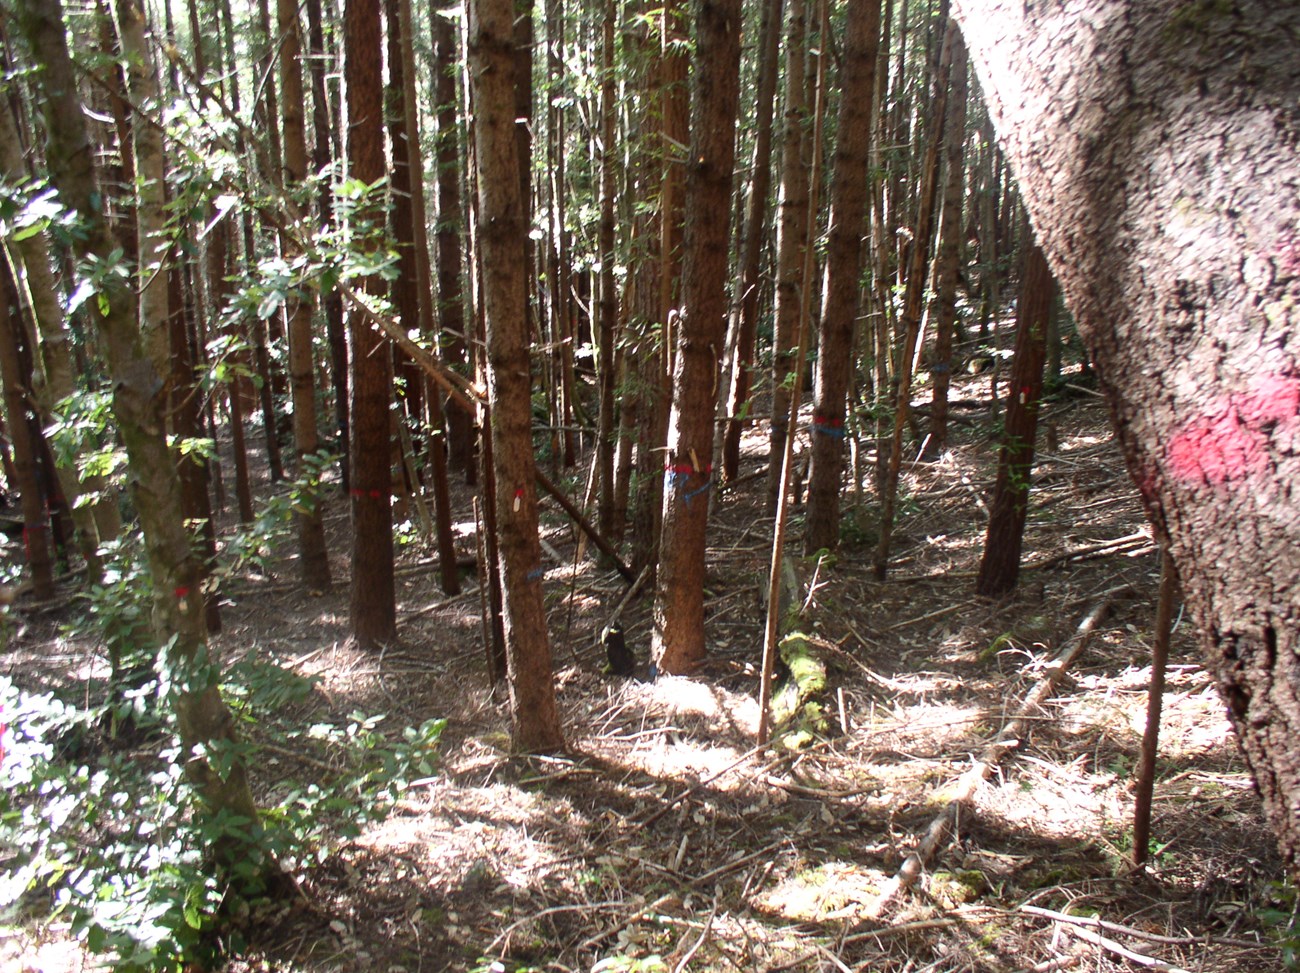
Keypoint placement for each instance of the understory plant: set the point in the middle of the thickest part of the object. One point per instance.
(98, 827)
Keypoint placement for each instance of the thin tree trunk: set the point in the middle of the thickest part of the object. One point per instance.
(535, 723)
(608, 307)
(1000, 566)
(451, 309)
(313, 555)
(949, 252)
(792, 238)
(1145, 777)
(36, 534)
(843, 274)
(914, 299)
(449, 574)
(29, 263)
(756, 225)
(221, 288)
(678, 640)
(335, 331)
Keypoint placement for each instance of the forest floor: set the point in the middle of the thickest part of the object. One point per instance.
(664, 840)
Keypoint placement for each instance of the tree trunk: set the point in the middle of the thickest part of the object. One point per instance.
(154, 283)
(843, 274)
(948, 258)
(914, 298)
(792, 238)
(678, 641)
(1154, 144)
(402, 53)
(335, 332)
(261, 358)
(373, 597)
(451, 310)
(313, 556)
(29, 263)
(608, 307)
(187, 423)
(756, 221)
(1000, 566)
(535, 721)
(203, 721)
(221, 286)
(36, 535)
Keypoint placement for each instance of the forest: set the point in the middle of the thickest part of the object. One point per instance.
(771, 485)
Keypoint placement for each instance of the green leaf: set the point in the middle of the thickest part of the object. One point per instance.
(271, 303)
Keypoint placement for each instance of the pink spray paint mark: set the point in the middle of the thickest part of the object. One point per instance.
(1230, 443)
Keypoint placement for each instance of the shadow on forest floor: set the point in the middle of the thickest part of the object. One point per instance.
(664, 841)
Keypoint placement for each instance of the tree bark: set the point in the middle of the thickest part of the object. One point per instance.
(1000, 566)
(29, 263)
(792, 238)
(608, 307)
(373, 595)
(843, 274)
(332, 303)
(448, 572)
(451, 310)
(948, 257)
(36, 534)
(678, 640)
(674, 133)
(756, 223)
(1154, 144)
(535, 721)
(313, 556)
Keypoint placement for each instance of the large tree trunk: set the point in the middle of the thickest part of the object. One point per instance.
(674, 132)
(535, 720)
(678, 641)
(1155, 145)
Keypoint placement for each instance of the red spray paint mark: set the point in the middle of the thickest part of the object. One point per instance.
(1231, 442)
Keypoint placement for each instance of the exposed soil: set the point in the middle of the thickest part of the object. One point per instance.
(665, 833)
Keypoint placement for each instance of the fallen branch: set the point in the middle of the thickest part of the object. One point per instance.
(605, 546)
(1114, 546)
(1132, 955)
(1155, 937)
(1006, 741)
(435, 606)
